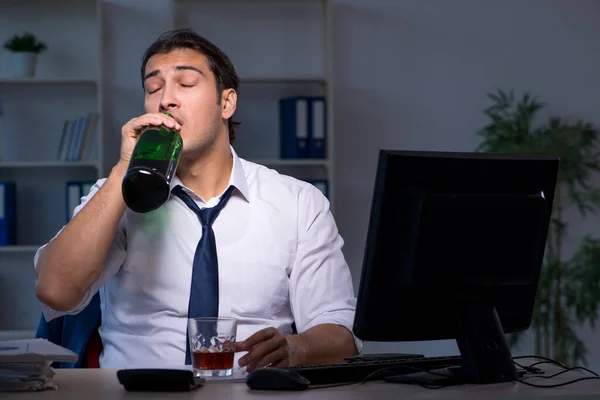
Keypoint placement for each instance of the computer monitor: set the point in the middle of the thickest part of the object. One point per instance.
(454, 249)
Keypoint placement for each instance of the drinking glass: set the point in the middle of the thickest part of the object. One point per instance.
(212, 345)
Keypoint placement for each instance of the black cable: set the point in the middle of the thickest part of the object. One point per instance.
(551, 361)
(554, 362)
(563, 372)
(540, 363)
(529, 368)
(546, 359)
(585, 378)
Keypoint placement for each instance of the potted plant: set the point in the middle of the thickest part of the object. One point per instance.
(569, 288)
(25, 49)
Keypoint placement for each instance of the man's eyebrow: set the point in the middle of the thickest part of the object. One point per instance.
(177, 68)
(151, 74)
(188, 67)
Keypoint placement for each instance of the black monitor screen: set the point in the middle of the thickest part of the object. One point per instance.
(450, 233)
(476, 233)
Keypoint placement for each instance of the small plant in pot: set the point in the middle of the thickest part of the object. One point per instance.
(25, 49)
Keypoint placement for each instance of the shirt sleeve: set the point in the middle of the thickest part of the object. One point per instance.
(114, 259)
(321, 289)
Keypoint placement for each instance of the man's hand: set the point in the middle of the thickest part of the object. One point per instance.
(268, 347)
(321, 344)
(132, 129)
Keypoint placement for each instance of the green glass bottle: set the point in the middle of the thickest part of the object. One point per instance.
(147, 183)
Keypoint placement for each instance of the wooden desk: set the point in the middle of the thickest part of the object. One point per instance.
(103, 384)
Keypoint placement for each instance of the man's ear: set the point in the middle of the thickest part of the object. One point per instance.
(228, 103)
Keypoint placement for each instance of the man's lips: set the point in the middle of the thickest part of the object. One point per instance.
(176, 118)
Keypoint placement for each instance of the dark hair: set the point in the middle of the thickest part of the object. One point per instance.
(218, 62)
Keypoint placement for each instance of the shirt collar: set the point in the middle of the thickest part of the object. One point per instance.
(237, 177)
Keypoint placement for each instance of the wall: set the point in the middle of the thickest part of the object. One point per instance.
(413, 75)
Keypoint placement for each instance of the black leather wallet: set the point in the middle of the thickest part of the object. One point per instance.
(159, 380)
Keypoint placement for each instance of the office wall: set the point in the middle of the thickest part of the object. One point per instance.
(413, 74)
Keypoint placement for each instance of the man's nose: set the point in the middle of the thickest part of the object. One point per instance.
(168, 101)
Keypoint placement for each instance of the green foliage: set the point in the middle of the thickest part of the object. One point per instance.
(24, 43)
(569, 289)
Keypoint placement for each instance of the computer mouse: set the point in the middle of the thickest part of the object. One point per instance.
(271, 378)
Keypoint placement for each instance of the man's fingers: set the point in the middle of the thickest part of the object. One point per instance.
(260, 336)
(156, 120)
(277, 356)
(240, 346)
(152, 119)
(259, 352)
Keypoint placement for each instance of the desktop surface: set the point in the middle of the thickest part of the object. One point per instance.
(103, 384)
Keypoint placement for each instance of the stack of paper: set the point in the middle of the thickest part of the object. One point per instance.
(25, 364)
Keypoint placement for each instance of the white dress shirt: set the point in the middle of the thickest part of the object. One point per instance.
(280, 261)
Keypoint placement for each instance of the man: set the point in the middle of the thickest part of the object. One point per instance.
(280, 262)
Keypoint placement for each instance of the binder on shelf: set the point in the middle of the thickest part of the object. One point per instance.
(317, 118)
(303, 127)
(293, 127)
(74, 192)
(8, 213)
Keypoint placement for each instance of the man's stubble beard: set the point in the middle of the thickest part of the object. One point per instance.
(201, 147)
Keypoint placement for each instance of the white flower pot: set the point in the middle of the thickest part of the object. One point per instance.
(24, 64)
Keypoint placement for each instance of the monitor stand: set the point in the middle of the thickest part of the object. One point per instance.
(486, 356)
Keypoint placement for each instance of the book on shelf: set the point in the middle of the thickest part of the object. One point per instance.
(8, 204)
(76, 141)
(303, 127)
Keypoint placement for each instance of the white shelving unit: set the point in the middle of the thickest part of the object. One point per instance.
(18, 249)
(47, 81)
(279, 48)
(49, 164)
(67, 85)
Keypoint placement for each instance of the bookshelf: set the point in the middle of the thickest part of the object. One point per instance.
(67, 85)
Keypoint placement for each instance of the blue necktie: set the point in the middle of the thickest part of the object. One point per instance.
(204, 293)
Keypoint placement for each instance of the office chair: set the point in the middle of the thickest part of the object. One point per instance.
(78, 333)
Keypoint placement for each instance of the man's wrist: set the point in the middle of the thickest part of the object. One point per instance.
(119, 170)
(300, 348)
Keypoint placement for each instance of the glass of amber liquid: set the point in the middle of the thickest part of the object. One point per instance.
(212, 345)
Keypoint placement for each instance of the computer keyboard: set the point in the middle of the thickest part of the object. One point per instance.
(356, 371)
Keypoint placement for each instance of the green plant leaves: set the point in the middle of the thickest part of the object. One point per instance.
(583, 280)
(24, 43)
(569, 289)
